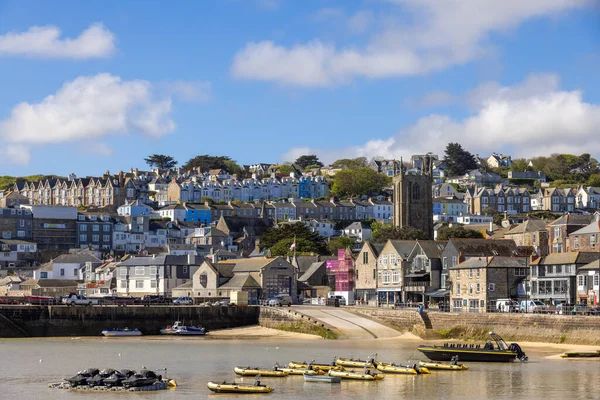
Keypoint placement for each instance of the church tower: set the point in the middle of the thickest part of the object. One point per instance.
(413, 199)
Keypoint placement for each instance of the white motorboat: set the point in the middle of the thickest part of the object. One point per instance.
(179, 329)
(121, 332)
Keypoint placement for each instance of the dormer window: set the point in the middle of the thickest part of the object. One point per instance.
(82, 217)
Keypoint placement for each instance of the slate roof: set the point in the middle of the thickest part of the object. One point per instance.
(376, 247)
(314, 267)
(241, 281)
(357, 225)
(594, 265)
(492, 262)
(253, 225)
(572, 257)
(531, 225)
(594, 227)
(485, 247)
(49, 283)
(75, 259)
(403, 247)
(432, 248)
(574, 219)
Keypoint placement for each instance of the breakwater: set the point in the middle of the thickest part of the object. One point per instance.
(572, 329)
(41, 321)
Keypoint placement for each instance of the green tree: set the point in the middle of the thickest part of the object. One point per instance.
(357, 182)
(594, 180)
(384, 232)
(303, 247)
(306, 160)
(459, 231)
(458, 160)
(161, 161)
(286, 169)
(520, 165)
(350, 163)
(290, 231)
(341, 242)
(206, 162)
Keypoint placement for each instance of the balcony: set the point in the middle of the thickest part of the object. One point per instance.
(416, 286)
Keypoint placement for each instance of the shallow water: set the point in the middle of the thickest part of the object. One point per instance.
(28, 365)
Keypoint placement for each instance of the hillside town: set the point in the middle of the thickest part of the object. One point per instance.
(483, 239)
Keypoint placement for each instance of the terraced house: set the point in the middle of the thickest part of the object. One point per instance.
(510, 200)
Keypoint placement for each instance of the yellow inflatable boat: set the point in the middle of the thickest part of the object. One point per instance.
(318, 367)
(253, 371)
(302, 371)
(360, 376)
(234, 387)
(352, 363)
(441, 366)
(401, 369)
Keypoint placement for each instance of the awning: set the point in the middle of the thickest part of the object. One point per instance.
(417, 275)
(390, 289)
(438, 293)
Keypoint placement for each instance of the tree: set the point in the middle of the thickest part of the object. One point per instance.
(303, 247)
(161, 161)
(520, 165)
(384, 232)
(350, 163)
(286, 169)
(206, 163)
(458, 161)
(306, 160)
(274, 235)
(357, 182)
(460, 231)
(341, 242)
(594, 180)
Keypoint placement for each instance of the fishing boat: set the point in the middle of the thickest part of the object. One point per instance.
(490, 352)
(253, 371)
(302, 371)
(179, 329)
(121, 332)
(367, 375)
(234, 387)
(322, 378)
(355, 363)
(453, 366)
(410, 369)
(316, 366)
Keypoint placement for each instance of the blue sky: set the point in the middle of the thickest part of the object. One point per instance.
(97, 85)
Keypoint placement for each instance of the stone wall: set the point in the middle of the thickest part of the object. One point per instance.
(512, 327)
(290, 320)
(34, 321)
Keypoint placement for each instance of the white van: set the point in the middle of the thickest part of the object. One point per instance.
(531, 306)
(506, 305)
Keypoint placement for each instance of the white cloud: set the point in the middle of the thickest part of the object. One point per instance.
(45, 41)
(296, 152)
(360, 21)
(437, 37)
(87, 109)
(529, 119)
(193, 91)
(432, 99)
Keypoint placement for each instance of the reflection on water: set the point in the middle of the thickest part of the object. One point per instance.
(26, 366)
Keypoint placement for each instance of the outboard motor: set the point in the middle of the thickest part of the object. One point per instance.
(514, 347)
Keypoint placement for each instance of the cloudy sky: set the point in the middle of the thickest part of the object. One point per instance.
(90, 86)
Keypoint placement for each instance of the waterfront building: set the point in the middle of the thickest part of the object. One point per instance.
(588, 283)
(560, 229)
(341, 275)
(66, 266)
(94, 231)
(532, 233)
(423, 273)
(391, 265)
(53, 226)
(366, 273)
(16, 223)
(586, 238)
(17, 253)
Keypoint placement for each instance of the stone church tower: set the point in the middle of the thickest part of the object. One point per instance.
(413, 199)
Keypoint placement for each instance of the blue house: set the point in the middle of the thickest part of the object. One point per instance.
(198, 213)
(304, 187)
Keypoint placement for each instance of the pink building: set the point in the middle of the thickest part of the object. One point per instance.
(341, 271)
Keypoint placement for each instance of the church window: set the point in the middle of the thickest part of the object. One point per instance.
(416, 192)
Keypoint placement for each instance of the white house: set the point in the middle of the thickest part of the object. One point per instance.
(65, 266)
(359, 231)
(175, 212)
(134, 208)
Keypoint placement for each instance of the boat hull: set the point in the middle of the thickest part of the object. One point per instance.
(443, 367)
(120, 333)
(439, 353)
(302, 371)
(243, 371)
(318, 367)
(399, 369)
(238, 388)
(322, 378)
(347, 362)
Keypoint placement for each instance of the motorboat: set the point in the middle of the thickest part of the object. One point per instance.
(317, 366)
(234, 387)
(98, 379)
(179, 329)
(408, 369)
(355, 363)
(253, 371)
(453, 366)
(143, 378)
(302, 371)
(121, 332)
(366, 375)
(117, 378)
(495, 350)
(325, 378)
(82, 376)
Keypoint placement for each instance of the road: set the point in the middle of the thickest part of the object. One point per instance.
(352, 325)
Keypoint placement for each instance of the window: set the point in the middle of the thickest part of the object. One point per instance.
(386, 276)
(453, 261)
(557, 232)
(153, 270)
(580, 280)
(82, 228)
(62, 272)
(576, 242)
(153, 284)
(95, 227)
(139, 270)
(596, 277)
(106, 238)
(492, 287)
(139, 284)
(392, 259)
(592, 240)
(458, 275)
(83, 238)
(123, 284)
(123, 271)
(478, 272)
(395, 276)
(384, 261)
(21, 234)
(106, 228)
(478, 288)
(185, 269)
(470, 273)
(95, 238)
(43, 275)
(458, 289)
(365, 257)
(445, 262)
(520, 271)
(471, 289)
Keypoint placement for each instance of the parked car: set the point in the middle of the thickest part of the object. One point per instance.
(577, 309)
(154, 299)
(78, 300)
(183, 301)
(280, 300)
(531, 306)
(118, 300)
(506, 305)
(341, 299)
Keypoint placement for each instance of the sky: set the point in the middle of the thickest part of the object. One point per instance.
(91, 86)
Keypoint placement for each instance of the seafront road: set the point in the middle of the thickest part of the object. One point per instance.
(351, 325)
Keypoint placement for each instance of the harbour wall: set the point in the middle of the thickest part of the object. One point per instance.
(288, 319)
(41, 321)
(512, 327)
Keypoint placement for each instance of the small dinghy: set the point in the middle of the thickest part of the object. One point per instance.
(302, 371)
(453, 366)
(253, 371)
(410, 369)
(355, 363)
(316, 366)
(322, 378)
(234, 387)
(121, 332)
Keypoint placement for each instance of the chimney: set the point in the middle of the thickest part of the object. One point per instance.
(492, 225)
(191, 259)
